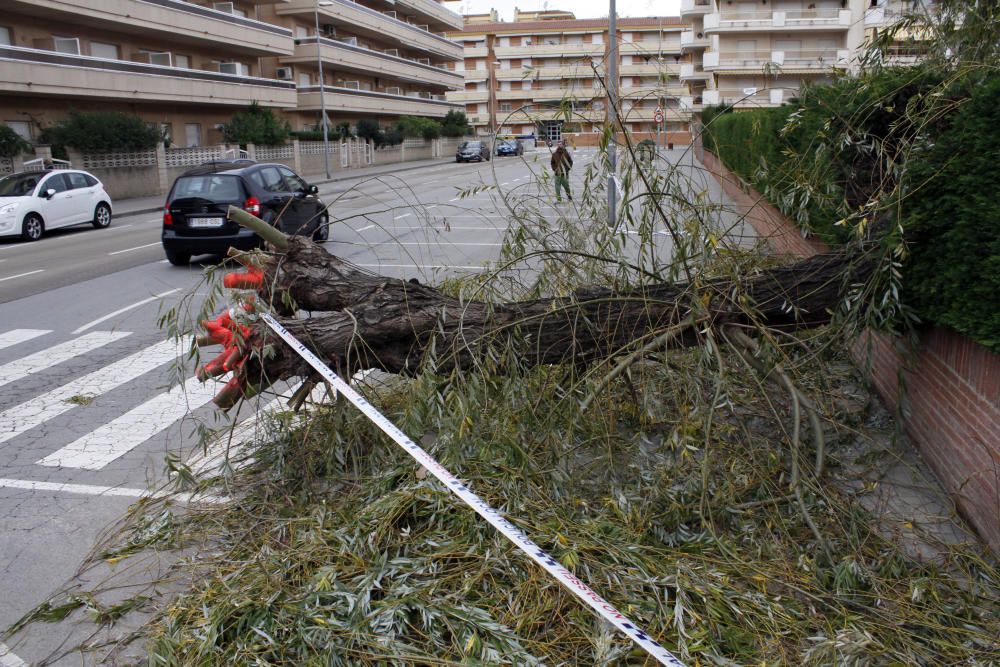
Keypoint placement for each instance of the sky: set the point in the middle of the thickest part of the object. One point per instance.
(584, 9)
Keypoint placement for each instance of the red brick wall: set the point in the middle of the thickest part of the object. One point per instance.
(951, 393)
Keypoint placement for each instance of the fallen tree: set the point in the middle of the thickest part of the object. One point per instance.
(370, 321)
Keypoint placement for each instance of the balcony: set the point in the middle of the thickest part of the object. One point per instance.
(652, 69)
(350, 101)
(693, 72)
(472, 74)
(691, 103)
(174, 20)
(538, 50)
(433, 13)
(748, 98)
(640, 114)
(802, 61)
(695, 7)
(552, 94)
(651, 48)
(360, 20)
(822, 19)
(582, 71)
(651, 91)
(366, 61)
(691, 41)
(476, 52)
(467, 96)
(35, 72)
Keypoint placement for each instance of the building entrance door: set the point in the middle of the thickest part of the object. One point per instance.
(552, 130)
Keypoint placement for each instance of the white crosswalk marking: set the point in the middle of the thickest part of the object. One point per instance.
(57, 354)
(20, 418)
(15, 336)
(230, 442)
(119, 436)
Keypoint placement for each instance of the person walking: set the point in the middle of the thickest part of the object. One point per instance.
(561, 163)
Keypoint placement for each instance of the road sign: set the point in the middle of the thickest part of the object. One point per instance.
(658, 115)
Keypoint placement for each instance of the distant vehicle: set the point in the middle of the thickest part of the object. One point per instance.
(194, 217)
(32, 202)
(472, 151)
(509, 147)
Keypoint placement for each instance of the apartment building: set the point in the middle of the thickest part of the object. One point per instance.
(545, 71)
(187, 66)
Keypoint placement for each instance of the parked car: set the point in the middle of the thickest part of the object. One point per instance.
(194, 217)
(509, 147)
(469, 151)
(32, 202)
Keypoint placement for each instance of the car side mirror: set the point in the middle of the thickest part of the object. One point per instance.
(312, 189)
(50, 193)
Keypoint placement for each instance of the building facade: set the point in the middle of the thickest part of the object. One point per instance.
(545, 73)
(188, 66)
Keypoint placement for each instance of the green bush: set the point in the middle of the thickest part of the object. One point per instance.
(257, 125)
(455, 124)
(418, 126)
(12, 144)
(952, 220)
(103, 131)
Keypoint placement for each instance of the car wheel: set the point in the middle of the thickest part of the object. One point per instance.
(322, 232)
(33, 227)
(178, 258)
(102, 216)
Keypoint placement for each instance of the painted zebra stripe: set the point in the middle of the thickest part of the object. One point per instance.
(15, 336)
(57, 354)
(509, 530)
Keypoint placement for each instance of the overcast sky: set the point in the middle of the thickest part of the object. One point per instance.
(584, 9)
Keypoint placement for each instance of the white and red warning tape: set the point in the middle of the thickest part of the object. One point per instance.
(510, 531)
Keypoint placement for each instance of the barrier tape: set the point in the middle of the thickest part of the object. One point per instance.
(510, 531)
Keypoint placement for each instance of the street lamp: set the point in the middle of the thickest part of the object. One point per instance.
(322, 90)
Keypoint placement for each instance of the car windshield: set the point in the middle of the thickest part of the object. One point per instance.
(470, 145)
(19, 185)
(214, 187)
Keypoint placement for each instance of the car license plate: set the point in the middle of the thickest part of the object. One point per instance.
(206, 222)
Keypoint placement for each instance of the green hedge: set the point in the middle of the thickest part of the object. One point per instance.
(951, 217)
(846, 145)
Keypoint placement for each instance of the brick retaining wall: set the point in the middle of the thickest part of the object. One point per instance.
(951, 392)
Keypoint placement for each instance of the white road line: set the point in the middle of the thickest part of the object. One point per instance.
(365, 229)
(400, 217)
(454, 199)
(230, 442)
(20, 418)
(138, 247)
(121, 435)
(410, 266)
(117, 227)
(21, 275)
(8, 659)
(94, 323)
(431, 206)
(93, 490)
(39, 361)
(15, 336)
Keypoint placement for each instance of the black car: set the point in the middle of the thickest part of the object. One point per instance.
(472, 151)
(509, 147)
(194, 217)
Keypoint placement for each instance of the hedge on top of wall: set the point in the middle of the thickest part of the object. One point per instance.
(890, 147)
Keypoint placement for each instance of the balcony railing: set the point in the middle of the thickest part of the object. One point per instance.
(695, 7)
(815, 59)
(792, 19)
(364, 20)
(435, 12)
(360, 59)
(37, 72)
(171, 17)
(531, 50)
(690, 40)
(349, 100)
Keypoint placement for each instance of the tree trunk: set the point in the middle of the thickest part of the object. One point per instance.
(370, 321)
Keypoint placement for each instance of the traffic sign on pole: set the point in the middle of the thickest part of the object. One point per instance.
(658, 115)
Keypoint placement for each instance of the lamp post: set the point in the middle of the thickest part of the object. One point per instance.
(613, 113)
(322, 89)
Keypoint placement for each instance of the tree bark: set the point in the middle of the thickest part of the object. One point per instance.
(370, 321)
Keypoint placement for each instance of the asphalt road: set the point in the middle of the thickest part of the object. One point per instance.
(86, 418)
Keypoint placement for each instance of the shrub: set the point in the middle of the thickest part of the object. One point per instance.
(418, 126)
(12, 144)
(950, 216)
(455, 124)
(370, 131)
(103, 131)
(257, 125)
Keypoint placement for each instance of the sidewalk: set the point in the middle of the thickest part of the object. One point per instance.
(154, 204)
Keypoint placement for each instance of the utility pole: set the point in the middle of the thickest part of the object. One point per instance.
(613, 114)
(322, 89)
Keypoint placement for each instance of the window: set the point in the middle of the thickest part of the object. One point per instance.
(301, 32)
(76, 180)
(166, 131)
(294, 183)
(102, 50)
(192, 135)
(270, 179)
(597, 38)
(505, 107)
(66, 45)
(22, 127)
(54, 182)
(304, 79)
(91, 181)
(182, 61)
(162, 58)
(5, 36)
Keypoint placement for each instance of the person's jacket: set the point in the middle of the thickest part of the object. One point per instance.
(561, 162)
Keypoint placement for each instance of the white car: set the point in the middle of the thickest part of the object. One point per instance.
(33, 201)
